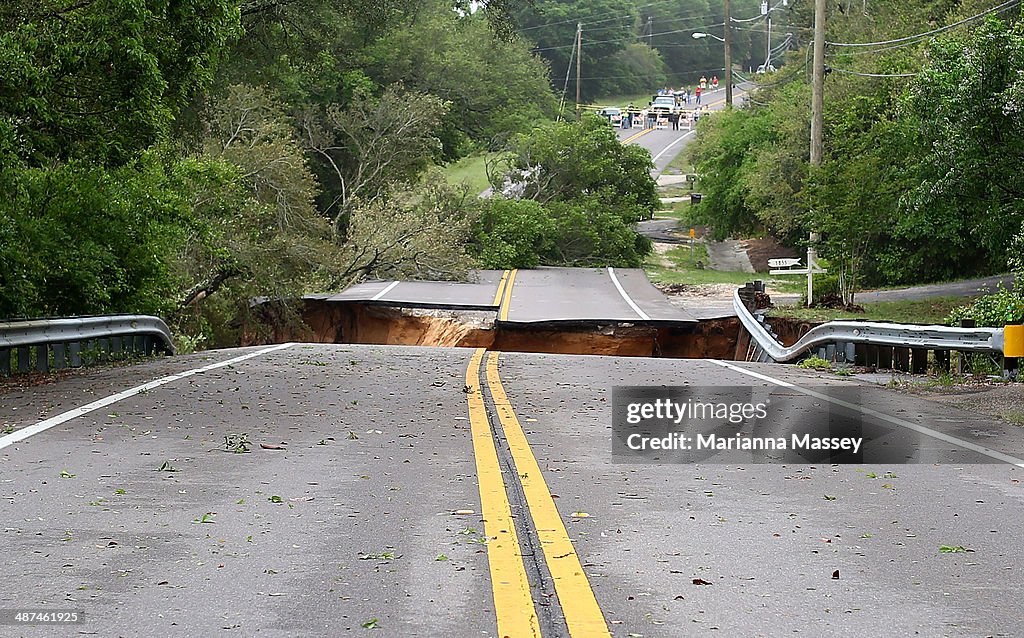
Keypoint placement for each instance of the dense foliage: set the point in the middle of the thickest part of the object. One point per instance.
(615, 61)
(570, 195)
(920, 180)
(185, 158)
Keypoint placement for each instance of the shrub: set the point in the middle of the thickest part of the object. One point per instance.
(995, 310)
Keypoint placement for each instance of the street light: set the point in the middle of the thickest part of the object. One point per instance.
(699, 35)
(728, 53)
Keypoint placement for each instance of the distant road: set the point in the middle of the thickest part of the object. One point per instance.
(966, 288)
(665, 144)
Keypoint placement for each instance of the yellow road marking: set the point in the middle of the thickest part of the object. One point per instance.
(637, 135)
(582, 613)
(501, 288)
(513, 605)
(507, 301)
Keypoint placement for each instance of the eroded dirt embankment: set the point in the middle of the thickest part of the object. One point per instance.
(337, 322)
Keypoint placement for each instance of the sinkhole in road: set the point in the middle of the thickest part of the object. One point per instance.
(374, 324)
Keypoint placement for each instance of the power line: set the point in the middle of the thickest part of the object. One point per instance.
(759, 17)
(919, 36)
(875, 75)
(602, 17)
(627, 38)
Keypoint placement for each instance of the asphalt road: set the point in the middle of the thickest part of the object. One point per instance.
(427, 492)
(545, 295)
(665, 144)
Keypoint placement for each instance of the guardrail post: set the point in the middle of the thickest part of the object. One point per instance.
(918, 360)
(24, 362)
(59, 356)
(942, 360)
(901, 359)
(885, 357)
(5, 362)
(42, 358)
(75, 352)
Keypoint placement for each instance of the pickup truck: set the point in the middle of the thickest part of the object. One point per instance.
(663, 104)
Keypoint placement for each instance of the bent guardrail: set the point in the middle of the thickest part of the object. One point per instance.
(847, 338)
(54, 344)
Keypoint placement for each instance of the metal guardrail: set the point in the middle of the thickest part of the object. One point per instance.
(844, 335)
(45, 344)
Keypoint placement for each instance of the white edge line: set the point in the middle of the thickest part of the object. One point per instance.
(636, 308)
(665, 150)
(42, 426)
(920, 429)
(384, 292)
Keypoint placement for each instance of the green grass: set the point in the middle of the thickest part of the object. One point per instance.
(926, 311)
(676, 190)
(681, 163)
(471, 170)
(683, 270)
(623, 101)
(680, 211)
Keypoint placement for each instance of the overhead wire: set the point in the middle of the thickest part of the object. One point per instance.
(630, 38)
(997, 8)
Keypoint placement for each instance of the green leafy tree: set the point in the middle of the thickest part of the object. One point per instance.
(372, 145)
(575, 160)
(102, 79)
(967, 106)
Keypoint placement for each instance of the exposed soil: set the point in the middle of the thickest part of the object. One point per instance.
(334, 322)
(761, 249)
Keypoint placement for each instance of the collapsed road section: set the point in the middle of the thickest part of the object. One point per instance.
(600, 311)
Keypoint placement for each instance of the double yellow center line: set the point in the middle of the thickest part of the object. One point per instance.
(513, 604)
(503, 297)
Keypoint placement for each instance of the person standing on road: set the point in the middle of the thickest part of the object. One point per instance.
(696, 95)
(703, 83)
(714, 83)
(688, 94)
(673, 119)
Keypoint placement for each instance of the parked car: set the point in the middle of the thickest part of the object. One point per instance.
(612, 114)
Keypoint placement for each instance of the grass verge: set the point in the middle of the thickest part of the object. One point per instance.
(682, 269)
(472, 170)
(925, 311)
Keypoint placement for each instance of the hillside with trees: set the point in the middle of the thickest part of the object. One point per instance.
(181, 159)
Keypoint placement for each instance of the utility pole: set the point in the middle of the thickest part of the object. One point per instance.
(728, 55)
(817, 122)
(818, 83)
(579, 56)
